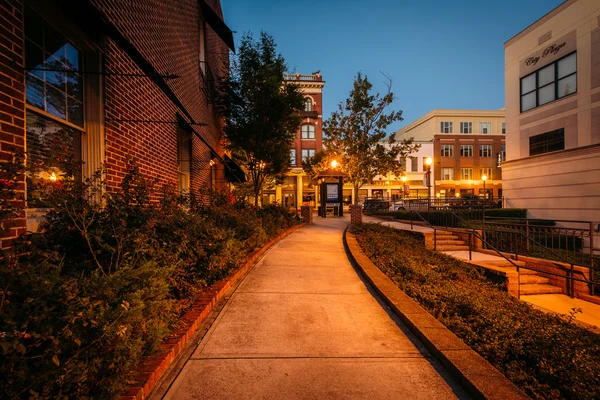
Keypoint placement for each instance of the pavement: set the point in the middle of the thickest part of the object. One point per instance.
(303, 325)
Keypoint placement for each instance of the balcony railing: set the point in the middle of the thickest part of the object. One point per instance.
(303, 77)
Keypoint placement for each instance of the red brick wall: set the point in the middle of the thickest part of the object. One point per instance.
(12, 97)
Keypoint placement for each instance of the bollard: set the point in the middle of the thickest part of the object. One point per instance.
(355, 214)
(306, 214)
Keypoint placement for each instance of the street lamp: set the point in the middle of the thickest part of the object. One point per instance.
(403, 186)
(484, 178)
(428, 162)
(334, 164)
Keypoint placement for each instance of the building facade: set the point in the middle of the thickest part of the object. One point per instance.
(552, 78)
(295, 190)
(465, 146)
(97, 83)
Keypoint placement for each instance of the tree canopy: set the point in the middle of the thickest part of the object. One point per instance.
(355, 136)
(261, 113)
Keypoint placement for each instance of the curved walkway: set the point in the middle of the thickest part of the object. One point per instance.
(303, 325)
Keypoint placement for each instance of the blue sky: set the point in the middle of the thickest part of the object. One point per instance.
(440, 53)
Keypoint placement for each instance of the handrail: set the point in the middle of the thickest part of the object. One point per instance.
(473, 232)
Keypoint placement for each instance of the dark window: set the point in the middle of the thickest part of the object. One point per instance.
(308, 104)
(549, 83)
(414, 164)
(446, 127)
(466, 127)
(293, 157)
(308, 131)
(547, 142)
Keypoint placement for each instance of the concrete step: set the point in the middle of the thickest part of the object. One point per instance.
(452, 248)
(456, 242)
(533, 279)
(539, 289)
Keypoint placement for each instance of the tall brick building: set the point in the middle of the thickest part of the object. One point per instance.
(101, 81)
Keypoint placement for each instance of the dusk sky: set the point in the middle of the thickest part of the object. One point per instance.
(440, 53)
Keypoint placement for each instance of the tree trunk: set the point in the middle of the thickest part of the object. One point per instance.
(355, 194)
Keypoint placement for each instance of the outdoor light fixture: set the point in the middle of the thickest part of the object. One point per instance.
(428, 162)
(53, 177)
(334, 164)
(211, 163)
(484, 178)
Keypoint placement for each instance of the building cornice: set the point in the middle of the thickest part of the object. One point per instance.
(539, 22)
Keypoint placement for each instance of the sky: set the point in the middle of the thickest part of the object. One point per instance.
(440, 53)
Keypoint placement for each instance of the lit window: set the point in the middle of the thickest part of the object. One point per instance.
(466, 127)
(487, 172)
(485, 150)
(447, 174)
(466, 150)
(293, 157)
(307, 153)
(184, 157)
(308, 104)
(547, 142)
(485, 127)
(308, 131)
(549, 83)
(447, 150)
(466, 174)
(446, 127)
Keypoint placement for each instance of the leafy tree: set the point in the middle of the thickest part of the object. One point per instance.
(355, 135)
(261, 113)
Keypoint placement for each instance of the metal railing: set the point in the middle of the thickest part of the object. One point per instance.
(208, 81)
(302, 77)
(504, 241)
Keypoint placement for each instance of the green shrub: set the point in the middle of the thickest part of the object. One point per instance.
(549, 357)
(507, 212)
(103, 282)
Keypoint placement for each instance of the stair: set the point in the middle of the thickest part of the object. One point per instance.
(447, 241)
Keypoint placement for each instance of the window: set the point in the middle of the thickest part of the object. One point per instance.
(466, 127)
(504, 128)
(485, 127)
(487, 172)
(466, 150)
(293, 157)
(184, 157)
(549, 83)
(55, 112)
(466, 174)
(403, 163)
(307, 153)
(547, 142)
(447, 174)
(308, 104)
(446, 127)
(308, 131)
(485, 150)
(414, 164)
(447, 150)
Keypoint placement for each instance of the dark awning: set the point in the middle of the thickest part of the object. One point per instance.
(233, 172)
(332, 173)
(217, 24)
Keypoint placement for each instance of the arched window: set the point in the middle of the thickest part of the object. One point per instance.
(308, 104)
(308, 131)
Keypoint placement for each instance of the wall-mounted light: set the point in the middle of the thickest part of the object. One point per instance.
(211, 163)
(53, 177)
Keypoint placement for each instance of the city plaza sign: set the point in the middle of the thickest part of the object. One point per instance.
(561, 47)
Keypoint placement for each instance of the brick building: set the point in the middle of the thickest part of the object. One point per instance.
(467, 145)
(294, 191)
(101, 81)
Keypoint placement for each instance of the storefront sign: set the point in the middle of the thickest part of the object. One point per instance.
(549, 53)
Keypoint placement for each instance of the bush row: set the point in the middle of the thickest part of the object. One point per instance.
(548, 356)
(103, 283)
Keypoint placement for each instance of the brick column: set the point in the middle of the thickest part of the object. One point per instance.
(355, 214)
(306, 214)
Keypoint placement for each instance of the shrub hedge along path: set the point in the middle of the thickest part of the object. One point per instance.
(547, 356)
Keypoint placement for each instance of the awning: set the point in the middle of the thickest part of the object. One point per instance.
(233, 172)
(217, 24)
(332, 173)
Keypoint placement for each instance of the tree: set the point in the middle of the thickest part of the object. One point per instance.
(261, 113)
(355, 135)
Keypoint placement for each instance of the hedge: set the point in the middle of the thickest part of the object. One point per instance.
(99, 288)
(547, 356)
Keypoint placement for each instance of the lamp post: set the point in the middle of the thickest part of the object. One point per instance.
(403, 186)
(428, 162)
(484, 178)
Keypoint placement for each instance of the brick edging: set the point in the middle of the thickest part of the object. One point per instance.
(477, 376)
(152, 368)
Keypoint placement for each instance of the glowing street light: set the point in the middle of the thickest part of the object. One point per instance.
(334, 164)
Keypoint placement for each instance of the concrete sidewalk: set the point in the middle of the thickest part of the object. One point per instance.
(302, 325)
